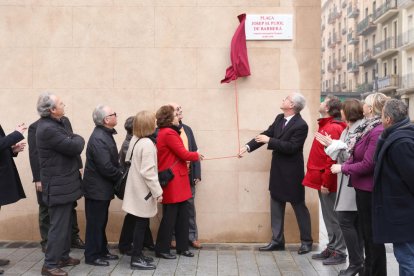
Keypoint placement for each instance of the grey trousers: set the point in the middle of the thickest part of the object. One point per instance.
(59, 236)
(193, 234)
(336, 239)
(277, 213)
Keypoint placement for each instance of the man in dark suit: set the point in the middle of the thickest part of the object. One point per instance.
(44, 221)
(285, 137)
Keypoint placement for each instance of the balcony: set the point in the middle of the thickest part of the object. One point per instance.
(322, 71)
(343, 4)
(366, 58)
(352, 67)
(331, 42)
(352, 38)
(332, 17)
(330, 68)
(338, 65)
(388, 83)
(404, 4)
(385, 11)
(407, 82)
(343, 58)
(337, 88)
(344, 31)
(353, 11)
(385, 48)
(366, 26)
(323, 27)
(323, 48)
(343, 86)
(338, 38)
(406, 40)
(365, 87)
(338, 14)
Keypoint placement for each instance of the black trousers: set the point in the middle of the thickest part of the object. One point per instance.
(127, 234)
(175, 217)
(58, 245)
(141, 225)
(375, 258)
(96, 244)
(348, 221)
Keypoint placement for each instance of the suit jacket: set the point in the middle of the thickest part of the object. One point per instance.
(10, 184)
(287, 168)
(195, 166)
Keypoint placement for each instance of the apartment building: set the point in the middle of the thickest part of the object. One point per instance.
(368, 46)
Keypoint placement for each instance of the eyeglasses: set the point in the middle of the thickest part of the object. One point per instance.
(113, 114)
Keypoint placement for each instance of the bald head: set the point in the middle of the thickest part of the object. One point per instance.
(178, 109)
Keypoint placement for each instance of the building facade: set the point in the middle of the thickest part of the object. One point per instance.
(368, 46)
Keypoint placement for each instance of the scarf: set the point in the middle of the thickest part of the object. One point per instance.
(360, 132)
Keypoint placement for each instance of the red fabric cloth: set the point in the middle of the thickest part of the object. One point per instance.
(319, 163)
(170, 148)
(239, 61)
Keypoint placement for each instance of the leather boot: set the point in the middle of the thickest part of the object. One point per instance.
(138, 262)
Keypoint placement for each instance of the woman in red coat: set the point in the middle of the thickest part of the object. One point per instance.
(172, 154)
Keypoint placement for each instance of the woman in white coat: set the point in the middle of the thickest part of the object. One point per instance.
(142, 190)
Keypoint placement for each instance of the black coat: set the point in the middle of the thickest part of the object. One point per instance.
(102, 168)
(287, 168)
(59, 151)
(34, 154)
(393, 193)
(10, 184)
(195, 167)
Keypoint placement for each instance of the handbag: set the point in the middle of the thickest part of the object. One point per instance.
(165, 176)
(119, 188)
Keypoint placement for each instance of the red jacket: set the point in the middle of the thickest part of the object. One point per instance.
(171, 149)
(319, 164)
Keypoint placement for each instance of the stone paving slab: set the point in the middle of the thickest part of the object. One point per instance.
(26, 258)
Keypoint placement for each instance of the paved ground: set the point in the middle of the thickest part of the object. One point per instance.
(26, 258)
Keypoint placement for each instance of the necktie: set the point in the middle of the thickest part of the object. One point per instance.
(284, 123)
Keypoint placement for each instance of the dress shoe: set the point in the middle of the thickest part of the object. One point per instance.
(78, 243)
(352, 270)
(69, 262)
(168, 256)
(98, 262)
(150, 247)
(139, 262)
(185, 253)
(53, 271)
(126, 252)
(335, 259)
(196, 244)
(325, 254)
(4, 262)
(110, 257)
(272, 247)
(304, 248)
(173, 244)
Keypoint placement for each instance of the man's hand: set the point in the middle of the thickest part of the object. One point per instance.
(262, 139)
(242, 151)
(200, 156)
(18, 147)
(336, 168)
(38, 185)
(324, 190)
(21, 128)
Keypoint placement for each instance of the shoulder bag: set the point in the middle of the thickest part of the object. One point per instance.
(119, 187)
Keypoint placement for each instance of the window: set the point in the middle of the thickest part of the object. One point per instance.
(394, 66)
(384, 69)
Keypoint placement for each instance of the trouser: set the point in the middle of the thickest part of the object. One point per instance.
(44, 221)
(404, 253)
(96, 244)
(375, 259)
(193, 230)
(127, 234)
(175, 217)
(348, 220)
(277, 213)
(336, 239)
(141, 224)
(58, 245)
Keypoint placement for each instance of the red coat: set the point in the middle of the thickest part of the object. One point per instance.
(319, 163)
(171, 149)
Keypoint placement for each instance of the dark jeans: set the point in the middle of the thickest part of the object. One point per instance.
(96, 244)
(404, 253)
(44, 220)
(175, 217)
(375, 259)
(348, 221)
(127, 234)
(141, 224)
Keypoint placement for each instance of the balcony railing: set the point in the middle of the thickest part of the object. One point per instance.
(343, 4)
(384, 8)
(366, 58)
(353, 11)
(366, 26)
(343, 86)
(388, 82)
(343, 58)
(403, 4)
(407, 38)
(337, 88)
(382, 47)
(323, 26)
(352, 38)
(332, 17)
(330, 68)
(407, 81)
(338, 65)
(323, 48)
(322, 71)
(331, 42)
(352, 66)
(344, 31)
(365, 87)
(338, 38)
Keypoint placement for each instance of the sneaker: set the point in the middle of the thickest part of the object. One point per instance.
(335, 258)
(323, 255)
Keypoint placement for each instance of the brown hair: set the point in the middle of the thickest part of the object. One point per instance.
(352, 109)
(334, 106)
(165, 116)
(144, 124)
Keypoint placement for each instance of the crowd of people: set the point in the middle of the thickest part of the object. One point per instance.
(359, 162)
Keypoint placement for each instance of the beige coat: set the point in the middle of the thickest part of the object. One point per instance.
(142, 179)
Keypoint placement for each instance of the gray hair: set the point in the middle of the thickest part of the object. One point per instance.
(45, 103)
(99, 115)
(299, 102)
(396, 110)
